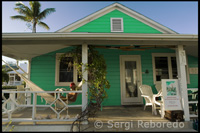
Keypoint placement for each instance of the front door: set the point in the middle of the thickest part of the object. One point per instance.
(130, 76)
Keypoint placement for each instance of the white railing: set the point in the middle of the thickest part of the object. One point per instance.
(194, 101)
(14, 83)
(18, 100)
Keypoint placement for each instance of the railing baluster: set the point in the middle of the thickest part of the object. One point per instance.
(34, 105)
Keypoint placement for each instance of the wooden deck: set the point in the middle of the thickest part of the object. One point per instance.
(118, 114)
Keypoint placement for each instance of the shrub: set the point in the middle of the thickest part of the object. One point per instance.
(9, 87)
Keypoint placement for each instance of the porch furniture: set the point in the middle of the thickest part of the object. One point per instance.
(158, 88)
(174, 115)
(150, 99)
(148, 96)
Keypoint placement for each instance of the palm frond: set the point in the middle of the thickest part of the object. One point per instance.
(22, 9)
(45, 13)
(35, 7)
(24, 12)
(20, 18)
(44, 25)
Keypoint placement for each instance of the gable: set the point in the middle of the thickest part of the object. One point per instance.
(103, 24)
(135, 22)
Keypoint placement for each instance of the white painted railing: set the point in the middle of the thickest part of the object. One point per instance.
(14, 83)
(193, 102)
(14, 102)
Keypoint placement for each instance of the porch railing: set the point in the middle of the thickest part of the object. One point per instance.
(192, 100)
(14, 83)
(21, 99)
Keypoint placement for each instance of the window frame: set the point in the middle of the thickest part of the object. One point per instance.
(122, 24)
(57, 74)
(168, 55)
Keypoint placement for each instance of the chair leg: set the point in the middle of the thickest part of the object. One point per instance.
(144, 106)
(154, 109)
(162, 111)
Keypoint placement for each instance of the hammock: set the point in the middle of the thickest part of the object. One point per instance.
(48, 97)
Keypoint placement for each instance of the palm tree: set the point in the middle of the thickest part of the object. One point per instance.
(33, 14)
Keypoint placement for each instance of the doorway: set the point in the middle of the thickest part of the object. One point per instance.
(130, 79)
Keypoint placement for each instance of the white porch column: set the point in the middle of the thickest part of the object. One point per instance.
(181, 62)
(28, 95)
(85, 76)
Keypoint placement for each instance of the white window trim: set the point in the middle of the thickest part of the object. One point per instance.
(168, 55)
(57, 83)
(111, 24)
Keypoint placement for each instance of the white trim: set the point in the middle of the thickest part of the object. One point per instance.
(122, 36)
(57, 66)
(168, 55)
(182, 80)
(85, 77)
(123, 9)
(111, 25)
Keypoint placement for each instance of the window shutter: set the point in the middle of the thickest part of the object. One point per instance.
(116, 24)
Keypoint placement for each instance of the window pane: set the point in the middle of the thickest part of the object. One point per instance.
(66, 70)
(131, 79)
(161, 65)
(174, 67)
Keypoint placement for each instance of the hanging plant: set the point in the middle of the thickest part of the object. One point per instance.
(96, 67)
(97, 82)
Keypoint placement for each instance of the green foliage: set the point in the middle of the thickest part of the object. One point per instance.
(96, 67)
(5, 77)
(9, 87)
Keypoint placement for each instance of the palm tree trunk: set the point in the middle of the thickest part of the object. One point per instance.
(34, 27)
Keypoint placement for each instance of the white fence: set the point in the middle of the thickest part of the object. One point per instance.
(18, 100)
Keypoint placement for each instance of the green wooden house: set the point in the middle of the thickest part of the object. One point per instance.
(137, 51)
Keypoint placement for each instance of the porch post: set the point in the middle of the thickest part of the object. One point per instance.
(28, 95)
(181, 62)
(85, 76)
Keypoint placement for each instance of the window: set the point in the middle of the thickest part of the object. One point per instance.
(65, 71)
(116, 24)
(165, 67)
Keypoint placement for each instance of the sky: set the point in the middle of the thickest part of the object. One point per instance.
(180, 16)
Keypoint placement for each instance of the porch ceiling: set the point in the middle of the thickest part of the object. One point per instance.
(28, 45)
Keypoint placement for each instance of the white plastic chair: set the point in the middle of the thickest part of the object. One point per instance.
(148, 96)
(158, 88)
(159, 102)
(150, 99)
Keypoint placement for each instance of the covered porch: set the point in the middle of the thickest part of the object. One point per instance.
(27, 46)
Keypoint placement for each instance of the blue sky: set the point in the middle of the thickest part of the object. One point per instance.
(181, 17)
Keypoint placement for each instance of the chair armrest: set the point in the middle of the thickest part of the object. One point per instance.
(148, 97)
(145, 96)
(159, 94)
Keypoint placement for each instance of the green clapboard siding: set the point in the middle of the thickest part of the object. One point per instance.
(193, 62)
(102, 24)
(43, 71)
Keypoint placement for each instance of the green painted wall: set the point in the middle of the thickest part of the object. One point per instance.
(43, 71)
(193, 62)
(102, 24)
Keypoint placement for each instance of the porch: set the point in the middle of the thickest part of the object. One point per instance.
(115, 118)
